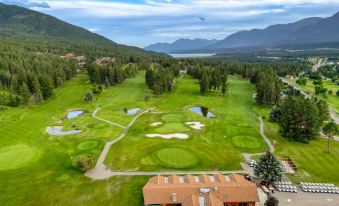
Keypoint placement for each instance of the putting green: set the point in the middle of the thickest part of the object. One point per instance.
(87, 145)
(246, 142)
(175, 158)
(18, 156)
(173, 117)
(172, 127)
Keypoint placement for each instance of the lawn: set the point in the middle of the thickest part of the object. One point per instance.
(313, 162)
(36, 169)
(214, 146)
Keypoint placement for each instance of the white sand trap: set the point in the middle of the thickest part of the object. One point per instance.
(195, 125)
(169, 136)
(57, 131)
(156, 124)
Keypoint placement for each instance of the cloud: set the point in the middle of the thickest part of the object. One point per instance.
(141, 22)
(201, 18)
(26, 3)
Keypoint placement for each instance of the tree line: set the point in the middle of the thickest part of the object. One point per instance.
(30, 76)
(210, 78)
(160, 77)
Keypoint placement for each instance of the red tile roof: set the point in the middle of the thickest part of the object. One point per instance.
(232, 188)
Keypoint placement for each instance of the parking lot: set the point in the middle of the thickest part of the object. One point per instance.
(307, 199)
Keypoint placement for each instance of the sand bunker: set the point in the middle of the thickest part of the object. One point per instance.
(156, 124)
(195, 125)
(57, 131)
(169, 136)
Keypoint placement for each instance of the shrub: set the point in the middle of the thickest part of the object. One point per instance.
(84, 162)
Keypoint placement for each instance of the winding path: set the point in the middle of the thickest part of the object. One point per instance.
(94, 115)
(100, 171)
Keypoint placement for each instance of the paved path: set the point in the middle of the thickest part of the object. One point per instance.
(262, 133)
(104, 120)
(100, 171)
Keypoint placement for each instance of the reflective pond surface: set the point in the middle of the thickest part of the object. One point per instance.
(203, 111)
(74, 114)
(132, 111)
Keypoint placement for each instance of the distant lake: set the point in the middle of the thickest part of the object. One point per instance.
(191, 55)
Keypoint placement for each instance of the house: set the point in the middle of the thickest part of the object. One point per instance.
(105, 60)
(202, 190)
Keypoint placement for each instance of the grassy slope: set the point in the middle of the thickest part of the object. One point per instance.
(213, 146)
(52, 180)
(312, 159)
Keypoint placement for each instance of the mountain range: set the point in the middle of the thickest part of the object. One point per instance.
(18, 22)
(307, 31)
(180, 45)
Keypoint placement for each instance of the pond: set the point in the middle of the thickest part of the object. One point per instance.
(57, 131)
(203, 111)
(132, 111)
(74, 114)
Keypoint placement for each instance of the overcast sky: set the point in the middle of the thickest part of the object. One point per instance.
(143, 22)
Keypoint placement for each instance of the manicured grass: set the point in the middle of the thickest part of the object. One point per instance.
(50, 179)
(176, 117)
(87, 145)
(18, 156)
(313, 162)
(246, 142)
(213, 146)
(175, 158)
(172, 128)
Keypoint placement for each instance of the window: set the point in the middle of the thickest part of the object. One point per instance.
(166, 179)
(196, 178)
(227, 178)
(212, 178)
(181, 180)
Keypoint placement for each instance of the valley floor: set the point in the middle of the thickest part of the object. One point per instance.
(36, 168)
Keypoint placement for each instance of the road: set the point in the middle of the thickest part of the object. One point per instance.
(333, 112)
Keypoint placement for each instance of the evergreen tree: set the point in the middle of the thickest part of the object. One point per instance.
(204, 83)
(25, 93)
(268, 169)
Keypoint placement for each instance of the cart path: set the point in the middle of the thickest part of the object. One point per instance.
(104, 120)
(262, 133)
(101, 172)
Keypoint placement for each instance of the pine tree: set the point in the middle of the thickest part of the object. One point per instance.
(25, 93)
(268, 169)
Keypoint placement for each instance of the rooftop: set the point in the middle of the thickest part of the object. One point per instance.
(189, 190)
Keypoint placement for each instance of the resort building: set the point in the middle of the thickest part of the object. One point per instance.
(202, 190)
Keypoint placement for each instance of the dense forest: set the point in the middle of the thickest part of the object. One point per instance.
(27, 76)
(160, 76)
